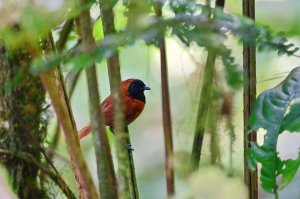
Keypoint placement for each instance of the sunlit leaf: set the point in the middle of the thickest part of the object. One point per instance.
(98, 30)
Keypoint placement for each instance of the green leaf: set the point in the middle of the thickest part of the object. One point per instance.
(290, 169)
(269, 114)
(78, 62)
(291, 121)
(40, 64)
(98, 30)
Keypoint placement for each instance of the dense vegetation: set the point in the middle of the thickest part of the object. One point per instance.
(48, 47)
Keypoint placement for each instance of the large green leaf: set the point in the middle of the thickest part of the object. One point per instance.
(291, 121)
(269, 113)
(291, 167)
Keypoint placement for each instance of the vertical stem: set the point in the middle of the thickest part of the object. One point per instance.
(167, 122)
(63, 38)
(132, 168)
(204, 103)
(166, 111)
(106, 174)
(249, 59)
(276, 194)
(127, 178)
(203, 107)
(53, 84)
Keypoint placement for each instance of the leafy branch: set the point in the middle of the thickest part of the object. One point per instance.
(189, 29)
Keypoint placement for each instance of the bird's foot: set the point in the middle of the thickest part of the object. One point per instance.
(129, 147)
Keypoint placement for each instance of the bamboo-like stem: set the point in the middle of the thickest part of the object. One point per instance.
(56, 136)
(53, 84)
(56, 178)
(204, 103)
(166, 112)
(60, 44)
(127, 187)
(106, 173)
(203, 107)
(249, 62)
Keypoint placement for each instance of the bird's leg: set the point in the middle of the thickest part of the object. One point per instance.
(129, 147)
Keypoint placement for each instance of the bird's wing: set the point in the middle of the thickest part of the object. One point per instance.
(133, 108)
(108, 110)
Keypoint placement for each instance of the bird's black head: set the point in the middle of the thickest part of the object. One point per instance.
(136, 90)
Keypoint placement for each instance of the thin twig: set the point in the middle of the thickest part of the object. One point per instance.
(64, 34)
(106, 173)
(166, 112)
(132, 167)
(249, 62)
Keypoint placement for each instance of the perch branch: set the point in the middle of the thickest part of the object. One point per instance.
(105, 168)
(127, 178)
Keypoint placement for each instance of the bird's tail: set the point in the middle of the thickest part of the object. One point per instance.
(85, 131)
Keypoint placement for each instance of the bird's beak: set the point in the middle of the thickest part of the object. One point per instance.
(146, 88)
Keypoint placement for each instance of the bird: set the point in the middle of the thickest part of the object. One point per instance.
(133, 98)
